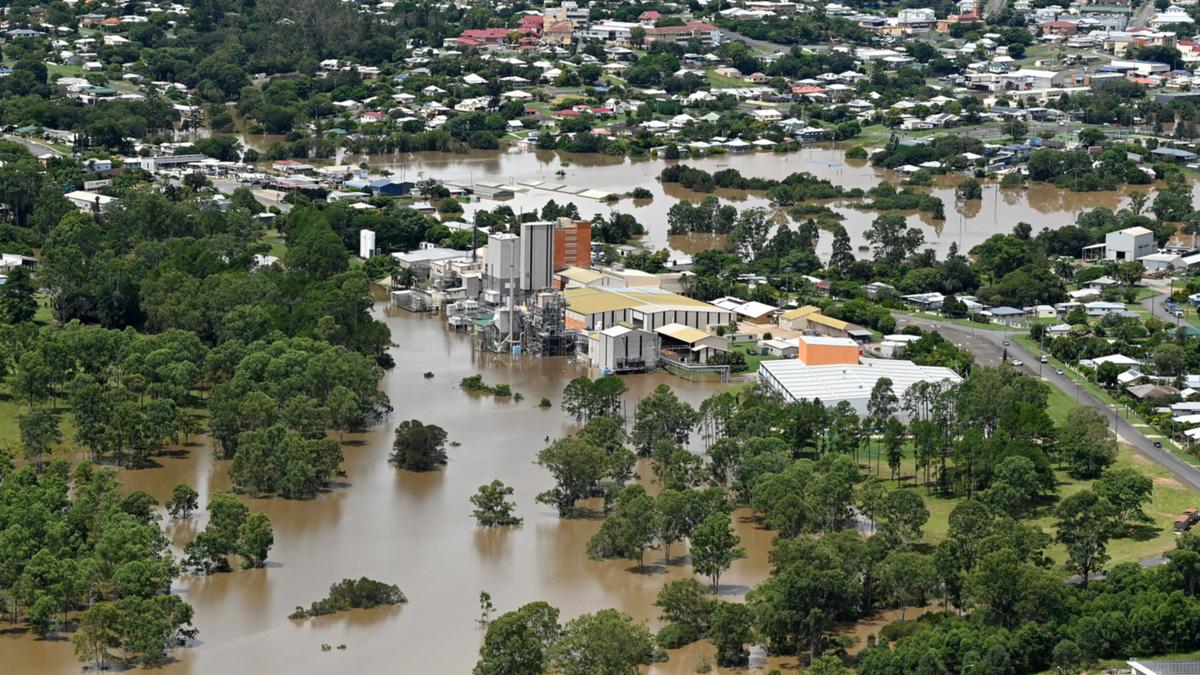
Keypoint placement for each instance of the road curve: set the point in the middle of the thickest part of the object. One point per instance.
(988, 347)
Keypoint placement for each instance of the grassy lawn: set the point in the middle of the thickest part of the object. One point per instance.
(44, 314)
(718, 81)
(275, 240)
(752, 360)
(10, 433)
(961, 322)
(1169, 499)
(57, 71)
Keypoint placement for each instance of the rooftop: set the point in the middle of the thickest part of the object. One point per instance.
(828, 341)
(682, 333)
(836, 383)
(596, 300)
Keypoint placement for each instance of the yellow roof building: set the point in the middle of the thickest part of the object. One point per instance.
(800, 312)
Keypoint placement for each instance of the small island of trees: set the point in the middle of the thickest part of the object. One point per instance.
(362, 593)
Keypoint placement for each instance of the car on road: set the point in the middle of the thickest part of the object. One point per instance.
(1058, 371)
(1042, 358)
(1017, 363)
(1005, 343)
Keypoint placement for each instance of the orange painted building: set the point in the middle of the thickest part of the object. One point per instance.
(827, 351)
(572, 243)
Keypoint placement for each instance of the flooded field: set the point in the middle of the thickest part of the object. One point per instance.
(414, 530)
(967, 223)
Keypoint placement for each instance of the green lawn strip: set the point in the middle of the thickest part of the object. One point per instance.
(966, 323)
(274, 239)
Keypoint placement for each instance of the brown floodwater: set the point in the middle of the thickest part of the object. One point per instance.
(966, 223)
(413, 530)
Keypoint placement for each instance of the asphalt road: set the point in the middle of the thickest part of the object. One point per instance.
(989, 350)
(1142, 16)
(765, 46)
(34, 147)
(992, 8)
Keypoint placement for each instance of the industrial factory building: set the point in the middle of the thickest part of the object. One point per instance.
(646, 308)
(796, 381)
(621, 349)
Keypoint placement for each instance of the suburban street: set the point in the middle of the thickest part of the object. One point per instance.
(34, 147)
(989, 350)
(1142, 16)
(765, 46)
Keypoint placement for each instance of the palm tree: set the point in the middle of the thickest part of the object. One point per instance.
(1064, 267)
(406, 277)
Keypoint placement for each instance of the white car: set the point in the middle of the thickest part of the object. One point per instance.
(1017, 363)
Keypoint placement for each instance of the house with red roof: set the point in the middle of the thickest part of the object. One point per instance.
(807, 90)
(943, 25)
(531, 25)
(1063, 28)
(648, 17)
(479, 37)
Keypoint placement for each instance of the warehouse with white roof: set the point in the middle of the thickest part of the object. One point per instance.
(795, 381)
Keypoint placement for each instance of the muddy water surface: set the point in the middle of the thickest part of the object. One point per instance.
(966, 223)
(414, 530)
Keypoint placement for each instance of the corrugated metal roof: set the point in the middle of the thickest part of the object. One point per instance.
(835, 383)
(828, 341)
(837, 324)
(681, 332)
(596, 300)
(800, 312)
(580, 275)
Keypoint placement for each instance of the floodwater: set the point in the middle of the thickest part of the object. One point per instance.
(966, 223)
(413, 530)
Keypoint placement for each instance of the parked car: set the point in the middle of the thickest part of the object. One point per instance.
(1185, 521)
(1017, 363)
(1042, 358)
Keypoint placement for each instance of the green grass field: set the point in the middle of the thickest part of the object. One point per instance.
(752, 360)
(718, 81)
(275, 240)
(1170, 498)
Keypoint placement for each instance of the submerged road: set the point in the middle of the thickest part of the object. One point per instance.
(988, 347)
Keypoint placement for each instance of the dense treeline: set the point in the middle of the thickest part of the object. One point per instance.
(78, 555)
(797, 187)
(817, 474)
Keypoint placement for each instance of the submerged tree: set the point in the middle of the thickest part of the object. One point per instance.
(492, 506)
(661, 416)
(184, 499)
(715, 547)
(418, 446)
